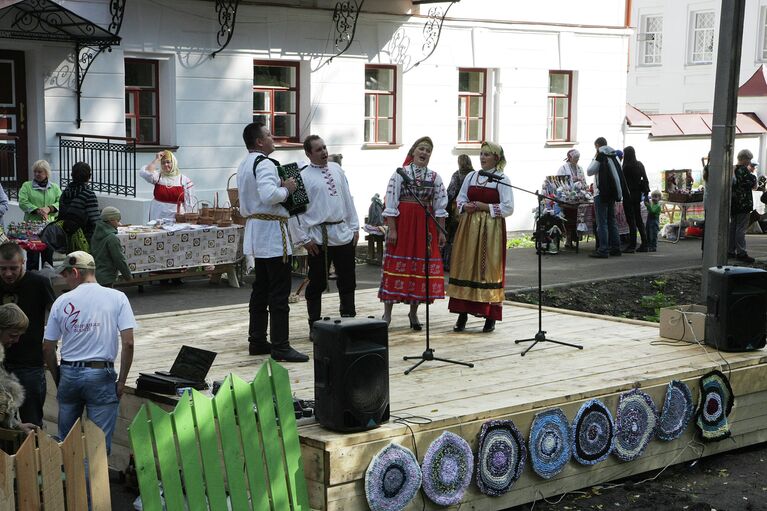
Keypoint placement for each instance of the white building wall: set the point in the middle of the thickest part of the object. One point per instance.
(206, 102)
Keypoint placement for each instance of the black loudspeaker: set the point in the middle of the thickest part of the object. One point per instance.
(351, 373)
(736, 308)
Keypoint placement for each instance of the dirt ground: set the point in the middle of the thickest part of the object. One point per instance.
(733, 481)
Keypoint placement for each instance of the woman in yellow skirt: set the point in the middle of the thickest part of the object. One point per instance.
(477, 274)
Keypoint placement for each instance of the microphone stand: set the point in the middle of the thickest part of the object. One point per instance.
(540, 336)
(428, 354)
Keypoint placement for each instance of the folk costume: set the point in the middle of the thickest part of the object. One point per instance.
(330, 221)
(404, 270)
(170, 189)
(476, 284)
(267, 240)
(571, 169)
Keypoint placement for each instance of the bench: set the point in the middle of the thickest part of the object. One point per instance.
(248, 429)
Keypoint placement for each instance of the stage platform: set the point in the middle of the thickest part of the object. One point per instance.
(618, 355)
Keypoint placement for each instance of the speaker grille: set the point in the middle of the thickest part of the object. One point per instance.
(367, 383)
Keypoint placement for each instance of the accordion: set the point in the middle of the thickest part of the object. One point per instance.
(296, 201)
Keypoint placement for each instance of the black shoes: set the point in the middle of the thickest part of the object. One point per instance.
(643, 248)
(259, 348)
(629, 250)
(616, 252)
(489, 325)
(745, 258)
(289, 355)
(415, 325)
(460, 323)
(598, 255)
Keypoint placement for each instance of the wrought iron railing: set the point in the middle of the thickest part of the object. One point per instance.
(112, 159)
(9, 171)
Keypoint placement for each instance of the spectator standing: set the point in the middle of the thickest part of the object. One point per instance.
(88, 320)
(741, 204)
(79, 209)
(13, 323)
(653, 220)
(638, 185)
(608, 184)
(106, 249)
(33, 293)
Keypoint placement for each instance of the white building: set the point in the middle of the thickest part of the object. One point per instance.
(672, 66)
(537, 78)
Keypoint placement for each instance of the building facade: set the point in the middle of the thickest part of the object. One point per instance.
(536, 79)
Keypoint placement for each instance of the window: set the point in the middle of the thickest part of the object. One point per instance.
(560, 101)
(763, 38)
(380, 104)
(142, 117)
(275, 98)
(702, 43)
(472, 90)
(651, 40)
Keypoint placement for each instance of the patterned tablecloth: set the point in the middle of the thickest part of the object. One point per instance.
(586, 218)
(165, 250)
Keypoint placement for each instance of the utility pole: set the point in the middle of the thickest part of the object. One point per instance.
(719, 184)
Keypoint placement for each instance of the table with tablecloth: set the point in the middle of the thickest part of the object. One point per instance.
(586, 218)
(159, 250)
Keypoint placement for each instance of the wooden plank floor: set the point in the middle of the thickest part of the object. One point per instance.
(618, 355)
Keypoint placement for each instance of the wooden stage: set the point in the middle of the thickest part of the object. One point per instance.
(618, 355)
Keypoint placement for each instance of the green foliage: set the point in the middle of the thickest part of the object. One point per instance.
(659, 284)
(521, 241)
(655, 303)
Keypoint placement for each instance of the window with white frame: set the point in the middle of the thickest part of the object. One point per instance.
(275, 98)
(651, 40)
(560, 102)
(763, 34)
(472, 95)
(380, 104)
(702, 37)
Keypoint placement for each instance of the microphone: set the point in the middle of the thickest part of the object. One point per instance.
(490, 175)
(408, 181)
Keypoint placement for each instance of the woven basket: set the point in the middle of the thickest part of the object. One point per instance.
(233, 193)
(221, 214)
(190, 217)
(237, 218)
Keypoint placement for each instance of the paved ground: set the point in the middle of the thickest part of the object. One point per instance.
(521, 272)
(522, 264)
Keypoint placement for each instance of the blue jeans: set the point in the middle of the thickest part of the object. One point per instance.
(33, 381)
(652, 231)
(94, 389)
(607, 227)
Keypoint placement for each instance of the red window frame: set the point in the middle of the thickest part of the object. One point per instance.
(270, 112)
(553, 100)
(377, 94)
(137, 91)
(464, 114)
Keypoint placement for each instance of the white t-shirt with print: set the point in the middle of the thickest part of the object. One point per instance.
(88, 321)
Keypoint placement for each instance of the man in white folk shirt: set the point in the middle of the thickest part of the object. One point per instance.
(261, 192)
(329, 230)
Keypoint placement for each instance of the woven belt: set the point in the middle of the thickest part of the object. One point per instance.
(283, 220)
(324, 229)
(94, 364)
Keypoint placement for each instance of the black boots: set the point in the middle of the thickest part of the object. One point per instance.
(460, 323)
(489, 325)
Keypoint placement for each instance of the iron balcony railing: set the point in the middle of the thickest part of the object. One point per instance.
(112, 160)
(9, 171)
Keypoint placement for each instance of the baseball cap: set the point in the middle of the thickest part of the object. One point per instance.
(79, 259)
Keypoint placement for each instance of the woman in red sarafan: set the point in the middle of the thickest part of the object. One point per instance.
(173, 191)
(476, 284)
(407, 258)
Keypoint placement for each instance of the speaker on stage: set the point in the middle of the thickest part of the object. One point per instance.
(736, 308)
(351, 373)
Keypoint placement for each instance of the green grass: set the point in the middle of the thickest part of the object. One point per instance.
(521, 241)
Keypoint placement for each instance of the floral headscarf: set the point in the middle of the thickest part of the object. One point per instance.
(168, 155)
(490, 147)
(409, 158)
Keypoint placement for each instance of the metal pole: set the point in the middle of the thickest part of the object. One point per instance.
(718, 186)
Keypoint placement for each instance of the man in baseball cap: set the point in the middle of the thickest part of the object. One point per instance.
(80, 260)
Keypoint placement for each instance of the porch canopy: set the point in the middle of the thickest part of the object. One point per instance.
(45, 20)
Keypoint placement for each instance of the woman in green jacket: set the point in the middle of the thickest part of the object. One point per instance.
(39, 198)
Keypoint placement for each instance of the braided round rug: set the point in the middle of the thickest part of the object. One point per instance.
(677, 411)
(716, 401)
(593, 433)
(447, 468)
(500, 457)
(549, 442)
(392, 479)
(636, 420)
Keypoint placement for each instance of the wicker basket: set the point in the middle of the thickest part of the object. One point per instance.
(237, 218)
(233, 193)
(190, 217)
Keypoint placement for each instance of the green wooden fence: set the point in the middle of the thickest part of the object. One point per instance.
(240, 446)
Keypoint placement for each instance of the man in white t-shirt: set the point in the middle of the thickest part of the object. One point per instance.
(88, 320)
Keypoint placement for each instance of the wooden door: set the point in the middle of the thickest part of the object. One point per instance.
(13, 122)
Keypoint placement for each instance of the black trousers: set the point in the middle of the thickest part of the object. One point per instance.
(633, 212)
(269, 302)
(342, 258)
